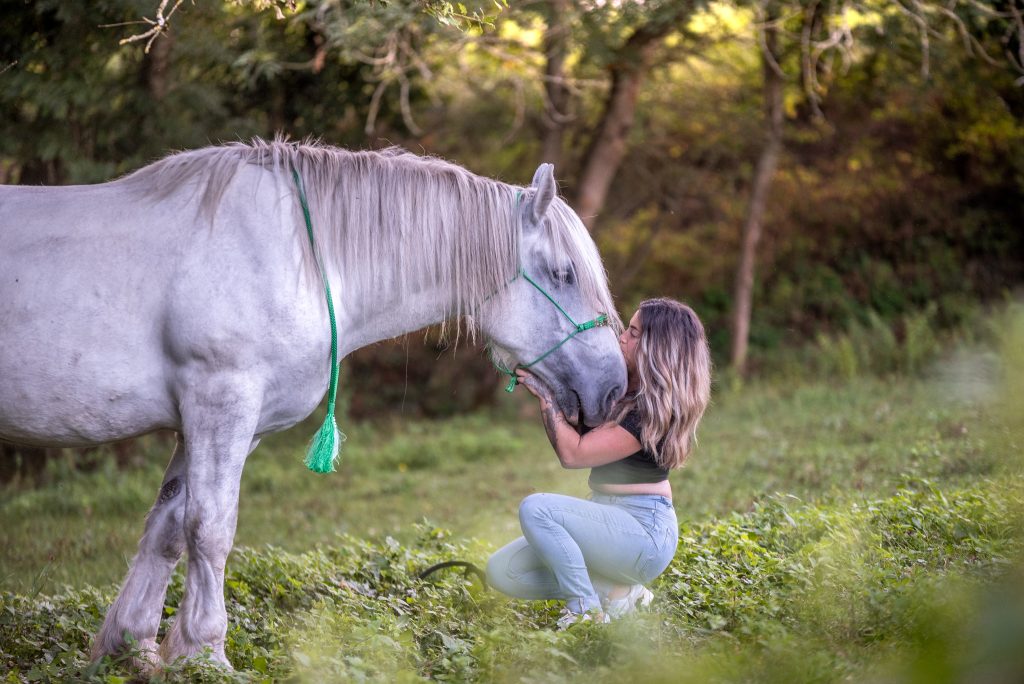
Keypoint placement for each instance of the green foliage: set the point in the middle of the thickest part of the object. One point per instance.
(75, 107)
(457, 14)
(905, 196)
(790, 563)
(847, 587)
(896, 554)
(874, 347)
(812, 440)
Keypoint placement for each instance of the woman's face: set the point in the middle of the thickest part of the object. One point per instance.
(629, 340)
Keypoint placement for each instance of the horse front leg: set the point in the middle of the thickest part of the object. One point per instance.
(219, 428)
(136, 611)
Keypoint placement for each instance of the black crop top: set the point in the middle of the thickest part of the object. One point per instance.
(639, 467)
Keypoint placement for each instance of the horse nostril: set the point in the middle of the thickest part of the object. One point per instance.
(613, 396)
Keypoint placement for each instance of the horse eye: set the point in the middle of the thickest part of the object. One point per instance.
(563, 276)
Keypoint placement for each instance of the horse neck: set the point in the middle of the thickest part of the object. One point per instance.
(436, 258)
(368, 319)
(379, 305)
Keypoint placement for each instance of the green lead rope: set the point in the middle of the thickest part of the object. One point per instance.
(323, 449)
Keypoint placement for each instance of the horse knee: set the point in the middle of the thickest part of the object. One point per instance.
(205, 535)
(164, 534)
(171, 542)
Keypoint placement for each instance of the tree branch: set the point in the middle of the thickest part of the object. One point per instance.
(158, 26)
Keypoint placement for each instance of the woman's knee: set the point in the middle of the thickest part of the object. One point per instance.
(534, 507)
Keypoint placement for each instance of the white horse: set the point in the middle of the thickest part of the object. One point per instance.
(186, 296)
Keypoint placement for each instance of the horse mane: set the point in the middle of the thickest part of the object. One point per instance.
(441, 224)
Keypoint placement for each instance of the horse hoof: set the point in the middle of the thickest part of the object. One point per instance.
(174, 649)
(147, 660)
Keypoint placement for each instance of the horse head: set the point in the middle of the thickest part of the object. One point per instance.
(556, 317)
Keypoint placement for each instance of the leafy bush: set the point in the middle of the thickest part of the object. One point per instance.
(811, 592)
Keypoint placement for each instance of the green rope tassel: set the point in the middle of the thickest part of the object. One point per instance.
(323, 449)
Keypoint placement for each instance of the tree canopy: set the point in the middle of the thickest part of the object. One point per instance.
(898, 185)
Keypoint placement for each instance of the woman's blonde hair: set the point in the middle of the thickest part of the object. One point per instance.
(673, 365)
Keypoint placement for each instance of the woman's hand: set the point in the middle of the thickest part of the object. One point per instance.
(535, 386)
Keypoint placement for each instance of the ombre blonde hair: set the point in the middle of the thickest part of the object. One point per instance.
(673, 365)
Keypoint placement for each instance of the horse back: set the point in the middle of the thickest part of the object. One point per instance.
(111, 301)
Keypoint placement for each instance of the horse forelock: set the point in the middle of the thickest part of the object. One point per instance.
(439, 224)
(571, 240)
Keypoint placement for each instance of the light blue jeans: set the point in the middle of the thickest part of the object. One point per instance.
(578, 549)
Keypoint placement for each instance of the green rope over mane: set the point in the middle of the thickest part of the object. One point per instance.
(323, 449)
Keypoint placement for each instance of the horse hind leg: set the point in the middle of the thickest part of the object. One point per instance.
(136, 611)
(219, 440)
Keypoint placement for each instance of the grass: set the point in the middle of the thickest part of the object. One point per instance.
(859, 530)
(785, 592)
(468, 474)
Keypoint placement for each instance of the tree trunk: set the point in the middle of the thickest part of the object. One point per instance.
(628, 69)
(556, 101)
(763, 175)
(22, 462)
(608, 146)
(815, 23)
(39, 172)
(156, 67)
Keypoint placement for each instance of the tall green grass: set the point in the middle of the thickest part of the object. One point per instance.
(908, 345)
(830, 531)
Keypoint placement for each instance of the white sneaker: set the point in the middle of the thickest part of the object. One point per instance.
(637, 597)
(567, 618)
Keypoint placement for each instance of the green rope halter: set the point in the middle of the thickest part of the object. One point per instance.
(602, 319)
(323, 449)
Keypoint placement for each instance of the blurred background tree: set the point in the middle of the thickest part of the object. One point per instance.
(894, 195)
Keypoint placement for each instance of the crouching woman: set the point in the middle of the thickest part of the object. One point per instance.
(599, 553)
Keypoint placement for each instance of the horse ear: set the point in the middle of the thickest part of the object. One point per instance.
(544, 184)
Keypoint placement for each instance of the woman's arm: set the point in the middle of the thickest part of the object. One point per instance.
(604, 444)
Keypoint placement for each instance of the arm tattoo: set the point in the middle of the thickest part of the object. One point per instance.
(549, 413)
(551, 418)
